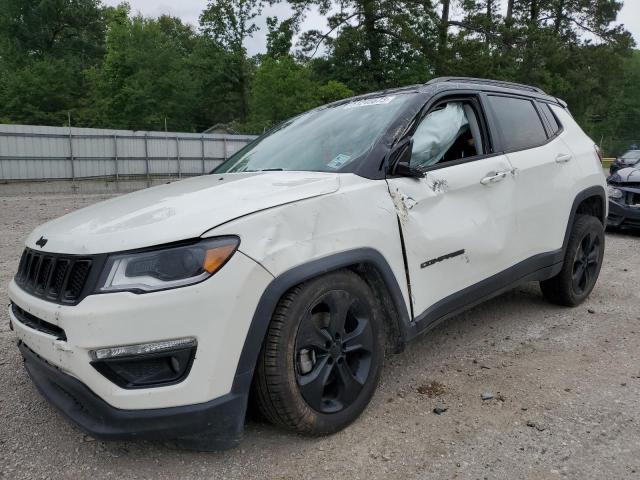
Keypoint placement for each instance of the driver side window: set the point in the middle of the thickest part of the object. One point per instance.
(449, 132)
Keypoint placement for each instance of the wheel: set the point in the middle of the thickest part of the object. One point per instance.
(322, 356)
(582, 263)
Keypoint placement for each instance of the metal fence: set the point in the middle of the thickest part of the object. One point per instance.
(35, 153)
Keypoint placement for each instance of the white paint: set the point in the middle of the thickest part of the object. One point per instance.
(453, 211)
(176, 211)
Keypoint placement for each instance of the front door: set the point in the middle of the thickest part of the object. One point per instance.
(458, 221)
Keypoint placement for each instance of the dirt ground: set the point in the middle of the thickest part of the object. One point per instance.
(565, 386)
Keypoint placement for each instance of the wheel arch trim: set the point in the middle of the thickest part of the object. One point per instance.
(301, 273)
(594, 191)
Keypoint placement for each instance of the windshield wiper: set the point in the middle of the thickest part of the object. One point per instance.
(263, 170)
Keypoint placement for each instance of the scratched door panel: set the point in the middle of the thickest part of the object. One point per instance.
(456, 230)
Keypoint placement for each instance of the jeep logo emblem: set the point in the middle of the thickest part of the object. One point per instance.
(41, 242)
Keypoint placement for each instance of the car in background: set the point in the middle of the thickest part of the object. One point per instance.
(629, 159)
(624, 198)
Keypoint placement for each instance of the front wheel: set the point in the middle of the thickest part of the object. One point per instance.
(582, 263)
(322, 357)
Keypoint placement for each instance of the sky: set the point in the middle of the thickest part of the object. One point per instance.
(189, 11)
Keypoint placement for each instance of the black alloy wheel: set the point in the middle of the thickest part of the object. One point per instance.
(321, 359)
(333, 351)
(586, 263)
(581, 265)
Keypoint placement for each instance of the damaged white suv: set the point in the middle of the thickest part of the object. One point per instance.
(286, 273)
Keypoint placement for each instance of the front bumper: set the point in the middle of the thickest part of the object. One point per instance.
(621, 215)
(222, 418)
(217, 313)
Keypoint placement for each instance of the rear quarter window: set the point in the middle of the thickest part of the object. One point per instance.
(518, 121)
(551, 118)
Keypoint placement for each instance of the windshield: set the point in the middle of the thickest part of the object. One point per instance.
(322, 140)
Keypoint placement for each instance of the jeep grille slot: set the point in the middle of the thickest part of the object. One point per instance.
(36, 323)
(54, 277)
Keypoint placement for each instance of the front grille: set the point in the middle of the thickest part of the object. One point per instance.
(54, 277)
(36, 323)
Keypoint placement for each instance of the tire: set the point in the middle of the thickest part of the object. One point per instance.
(321, 359)
(582, 263)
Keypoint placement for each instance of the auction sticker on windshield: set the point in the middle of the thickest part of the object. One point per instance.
(370, 101)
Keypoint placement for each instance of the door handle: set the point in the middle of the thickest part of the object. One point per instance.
(493, 178)
(563, 158)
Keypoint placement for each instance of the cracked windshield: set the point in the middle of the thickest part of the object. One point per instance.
(322, 140)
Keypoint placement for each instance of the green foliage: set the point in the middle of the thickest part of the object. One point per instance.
(283, 88)
(279, 37)
(107, 68)
(46, 48)
(146, 60)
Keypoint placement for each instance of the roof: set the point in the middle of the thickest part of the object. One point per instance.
(486, 81)
(498, 86)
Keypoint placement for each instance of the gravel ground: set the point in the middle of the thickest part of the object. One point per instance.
(565, 386)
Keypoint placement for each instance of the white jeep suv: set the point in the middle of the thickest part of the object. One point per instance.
(286, 273)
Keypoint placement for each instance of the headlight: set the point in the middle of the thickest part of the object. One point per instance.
(168, 267)
(614, 193)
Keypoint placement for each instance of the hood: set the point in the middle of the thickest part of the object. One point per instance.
(626, 175)
(176, 211)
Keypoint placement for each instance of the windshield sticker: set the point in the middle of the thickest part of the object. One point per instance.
(370, 101)
(338, 161)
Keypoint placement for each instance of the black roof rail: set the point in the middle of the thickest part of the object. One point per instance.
(486, 81)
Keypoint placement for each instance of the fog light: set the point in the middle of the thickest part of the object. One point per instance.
(142, 348)
(146, 365)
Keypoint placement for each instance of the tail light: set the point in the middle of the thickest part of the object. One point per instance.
(599, 155)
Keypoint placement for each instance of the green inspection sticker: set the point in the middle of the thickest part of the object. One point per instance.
(338, 161)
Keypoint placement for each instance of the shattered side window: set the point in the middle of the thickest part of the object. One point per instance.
(443, 135)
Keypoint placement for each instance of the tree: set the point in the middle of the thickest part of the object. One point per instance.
(365, 39)
(229, 23)
(46, 48)
(279, 38)
(145, 76)
(283, 88)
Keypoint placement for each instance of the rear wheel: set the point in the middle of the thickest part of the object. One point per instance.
(322, 357)
(582, 263)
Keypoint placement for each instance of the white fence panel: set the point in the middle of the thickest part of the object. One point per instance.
(31, 153)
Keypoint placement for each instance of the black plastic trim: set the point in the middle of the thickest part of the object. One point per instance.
(595, 191)
(621, 215)
(538, 267)
(279, 286)
(96, 263)
(36, 323)
(550, 133)
(222, 419)
(108, 368)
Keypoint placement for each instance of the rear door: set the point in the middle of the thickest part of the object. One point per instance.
(457, 222)
(530, 135)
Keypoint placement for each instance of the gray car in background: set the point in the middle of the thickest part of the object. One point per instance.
(629, 159)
